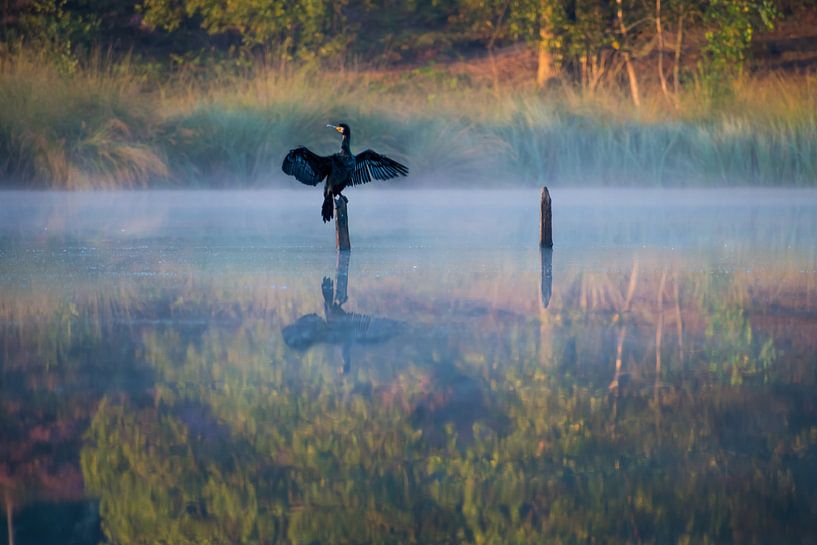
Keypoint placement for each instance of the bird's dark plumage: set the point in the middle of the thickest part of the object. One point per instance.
(307, 167)
(339, 170)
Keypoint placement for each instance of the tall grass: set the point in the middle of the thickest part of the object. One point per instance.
(104, 126)
(91, 129)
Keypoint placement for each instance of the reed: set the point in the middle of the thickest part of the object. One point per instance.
(106, 125)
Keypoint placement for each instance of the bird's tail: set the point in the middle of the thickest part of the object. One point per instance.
(328, 208)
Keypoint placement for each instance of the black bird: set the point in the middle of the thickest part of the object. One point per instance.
(340, 170)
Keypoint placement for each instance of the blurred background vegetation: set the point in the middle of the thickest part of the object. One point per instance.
(204, 93)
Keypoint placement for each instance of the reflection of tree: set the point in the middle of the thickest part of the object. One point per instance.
(338, 326)
(58, 358)
(476, 433)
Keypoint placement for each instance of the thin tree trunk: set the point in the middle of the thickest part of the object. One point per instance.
(628, 60)
(494, 74)
(583, 75)
(679, 45)
(660, 36)
(490, 47)
(544, 68)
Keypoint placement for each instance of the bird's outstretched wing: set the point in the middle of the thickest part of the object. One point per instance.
(370, 164)
(307, 167)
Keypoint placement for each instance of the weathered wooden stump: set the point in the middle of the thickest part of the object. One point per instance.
(546, 221)
(546, 276)
(341, 225)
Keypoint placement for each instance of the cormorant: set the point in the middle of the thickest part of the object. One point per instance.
(340, 170)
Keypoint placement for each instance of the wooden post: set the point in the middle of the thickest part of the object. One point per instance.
(546, 221)
(341, 225)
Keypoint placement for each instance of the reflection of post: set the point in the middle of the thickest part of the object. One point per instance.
(546, 221)
(341, 225)
(546, 276)
(342, 277)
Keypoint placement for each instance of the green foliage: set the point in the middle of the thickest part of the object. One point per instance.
(302, 29)
(587, 31)
(732, 24)
(50, 27)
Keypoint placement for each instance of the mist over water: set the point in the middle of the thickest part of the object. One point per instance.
(409, 219)
(186, 364)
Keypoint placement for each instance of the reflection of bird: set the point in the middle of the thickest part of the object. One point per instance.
(341, 169)
(339, 328)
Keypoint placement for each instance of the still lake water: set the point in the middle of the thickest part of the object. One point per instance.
(203, 367)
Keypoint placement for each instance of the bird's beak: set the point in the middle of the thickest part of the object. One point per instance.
(333, 126)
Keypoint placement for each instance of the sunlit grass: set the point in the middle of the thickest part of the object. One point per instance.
(107, 126)
(91, 129)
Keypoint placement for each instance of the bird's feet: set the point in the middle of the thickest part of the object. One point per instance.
(327, 210)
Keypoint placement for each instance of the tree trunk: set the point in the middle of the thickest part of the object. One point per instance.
(494, 74)
(544, 69)
(659, 34)
(628, 60)
(583, 75)
(490, 47)
(679, 45)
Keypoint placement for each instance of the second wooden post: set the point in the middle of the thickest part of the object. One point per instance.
(546, 221)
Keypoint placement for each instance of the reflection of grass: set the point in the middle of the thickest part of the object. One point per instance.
(489, 433)
(106, 127)
(282, 451)
(715, 314)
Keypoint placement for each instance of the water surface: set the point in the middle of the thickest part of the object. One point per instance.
(203, 367)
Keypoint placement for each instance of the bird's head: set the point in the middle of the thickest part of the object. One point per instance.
(342, 128)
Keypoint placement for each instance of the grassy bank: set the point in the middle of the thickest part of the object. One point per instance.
(106, 126)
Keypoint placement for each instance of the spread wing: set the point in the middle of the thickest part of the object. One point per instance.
(370, 164)
(307, 167)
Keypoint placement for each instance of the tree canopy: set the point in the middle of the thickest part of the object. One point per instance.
(581, 40)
